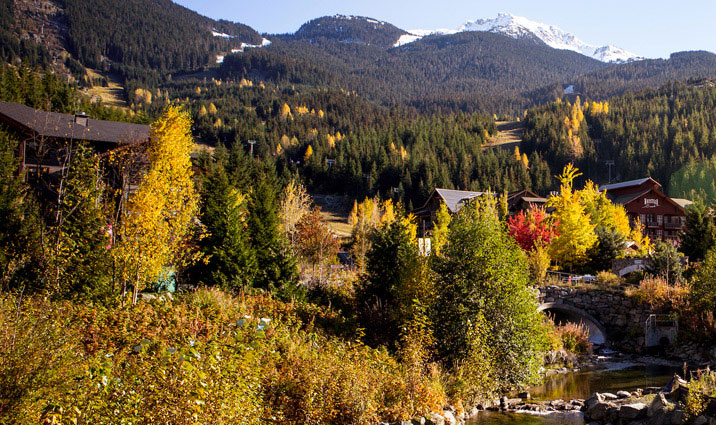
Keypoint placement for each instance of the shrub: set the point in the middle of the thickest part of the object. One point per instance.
(701, 388)
(661, 296)
(203, 357)
(609, 279)
(574, 337)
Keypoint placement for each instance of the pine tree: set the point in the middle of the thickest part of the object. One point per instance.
(276, 266)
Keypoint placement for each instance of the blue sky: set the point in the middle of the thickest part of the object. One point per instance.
(648, 28)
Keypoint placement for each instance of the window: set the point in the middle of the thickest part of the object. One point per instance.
(659, 219)
(651, 203)
(642, 218)
(658, 233)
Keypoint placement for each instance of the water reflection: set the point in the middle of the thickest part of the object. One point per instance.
(579, 385)
(496, 418)
(584, 384)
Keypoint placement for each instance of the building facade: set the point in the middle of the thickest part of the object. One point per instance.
(663, 218)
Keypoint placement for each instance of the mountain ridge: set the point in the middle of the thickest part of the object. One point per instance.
(522, 28)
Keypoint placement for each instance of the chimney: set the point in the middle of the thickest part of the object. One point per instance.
(82, 119)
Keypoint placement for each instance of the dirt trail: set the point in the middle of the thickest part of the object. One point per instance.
(509, 134)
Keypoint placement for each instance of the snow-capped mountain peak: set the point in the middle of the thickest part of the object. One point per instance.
(519, 27)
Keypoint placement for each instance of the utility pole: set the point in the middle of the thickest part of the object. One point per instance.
(610, 164)
(252, 143)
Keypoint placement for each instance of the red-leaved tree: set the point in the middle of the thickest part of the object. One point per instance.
(532, 228)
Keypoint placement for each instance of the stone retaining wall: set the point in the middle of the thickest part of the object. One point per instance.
(623, 319)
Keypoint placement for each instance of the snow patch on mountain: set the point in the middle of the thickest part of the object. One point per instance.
(264, 42)
(519, 27)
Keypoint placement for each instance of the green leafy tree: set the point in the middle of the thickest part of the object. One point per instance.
(79, 261)
(703, 288)
(485, 306)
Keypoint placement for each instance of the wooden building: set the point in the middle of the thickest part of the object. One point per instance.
(663, 218)
(455, 199)
(45, 136)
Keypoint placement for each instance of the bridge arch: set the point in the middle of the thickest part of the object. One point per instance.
(628, 269)
(567, 313)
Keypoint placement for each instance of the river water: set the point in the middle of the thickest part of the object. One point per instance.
(580, 385)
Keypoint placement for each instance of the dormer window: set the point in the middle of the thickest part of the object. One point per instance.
(651, 203)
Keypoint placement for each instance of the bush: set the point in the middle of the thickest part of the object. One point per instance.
(609, 279)
(661, 296)
(701, 388)
(203, 357)
(574, 337)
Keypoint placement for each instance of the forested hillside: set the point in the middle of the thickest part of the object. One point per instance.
(144, 39)
(649, 73)
(666, 134)
(340, 143)
(349, 29)
(471, 71)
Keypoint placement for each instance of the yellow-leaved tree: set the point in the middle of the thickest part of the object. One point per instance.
(575, 231)
(156, 222)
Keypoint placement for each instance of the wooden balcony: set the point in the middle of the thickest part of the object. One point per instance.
(673, 226)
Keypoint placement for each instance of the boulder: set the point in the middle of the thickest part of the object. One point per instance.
(418, 420)
(677, 417)
(658, 405)
(609, 396)
(524, 395)
(632, 411)
(449, 418)
(599, 410)
(701, 420)
(623, 394)
(593, 400)
(434, 419)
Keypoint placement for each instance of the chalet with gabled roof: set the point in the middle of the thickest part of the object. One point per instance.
(663, 218)
(43, 134)
(455, 199)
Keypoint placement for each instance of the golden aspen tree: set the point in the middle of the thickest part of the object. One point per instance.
(575, 231)
(212, 109)
(331, 141)
(308, 153)
(387, 212)
(295, 203)
(321, 114)
(440, 229)
(285, 112)
(157, 219)
(525, 161)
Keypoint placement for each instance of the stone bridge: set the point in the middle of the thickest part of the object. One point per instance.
(611, 317)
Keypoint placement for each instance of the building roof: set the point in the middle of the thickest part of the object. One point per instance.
(682, 202)
(63, 126)
(629, 183)
(455, 199)
(630, 197)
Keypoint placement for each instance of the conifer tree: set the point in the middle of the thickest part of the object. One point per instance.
(276, 266)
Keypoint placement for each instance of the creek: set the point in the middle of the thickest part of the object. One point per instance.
(580, 385)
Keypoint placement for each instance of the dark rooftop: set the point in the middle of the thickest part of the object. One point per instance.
(63, 126)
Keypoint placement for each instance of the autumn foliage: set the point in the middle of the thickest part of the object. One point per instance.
(532, 228)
